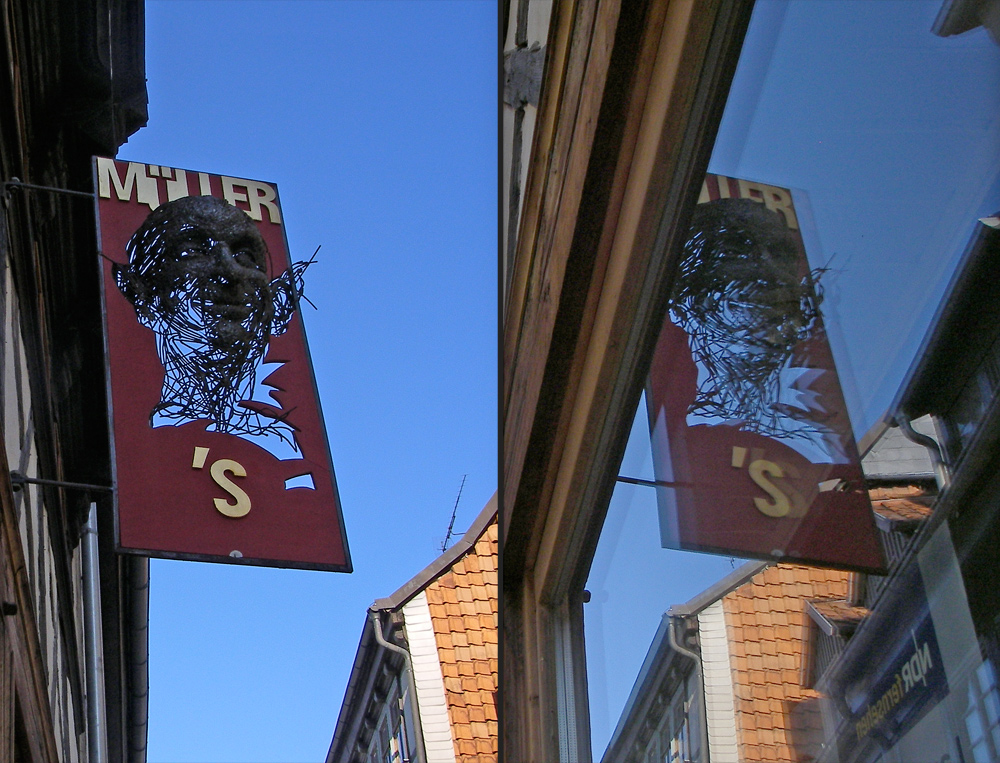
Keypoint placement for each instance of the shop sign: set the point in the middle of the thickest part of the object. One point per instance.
(752, 446)
(891, 687)
(219, 448)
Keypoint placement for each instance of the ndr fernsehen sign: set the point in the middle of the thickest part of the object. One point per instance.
(752, 446)
(220, 453)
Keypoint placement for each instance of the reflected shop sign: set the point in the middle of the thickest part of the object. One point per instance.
(753, 450)
(219, 448)
(885, 691)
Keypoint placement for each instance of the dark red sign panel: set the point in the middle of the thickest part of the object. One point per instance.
(752, 444)
(220, 452)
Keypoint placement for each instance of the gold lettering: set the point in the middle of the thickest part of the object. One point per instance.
(759, 470)
(776, 199)
(739, 456)
(705, 195)
(242, 506)
(256, 195)
(200, 454)
(136, 182)
(800, 506)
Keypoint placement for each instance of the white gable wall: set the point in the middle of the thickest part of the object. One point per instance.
(719, 697)
(429, 681)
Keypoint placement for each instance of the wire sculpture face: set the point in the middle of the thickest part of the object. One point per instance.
(745, 303)
(198, 277)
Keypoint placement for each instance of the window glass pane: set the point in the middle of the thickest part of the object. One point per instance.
(633, 581)
(888, 137)
(893, 133)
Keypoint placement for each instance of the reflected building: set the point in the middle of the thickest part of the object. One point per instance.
(726, 678)
(744, 669)
(797, 663)
(917, 678)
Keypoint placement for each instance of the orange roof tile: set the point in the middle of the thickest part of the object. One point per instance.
(899, 491)
(466, 748)
(469, 684)
(766, 619)
(444, 640)
(840, 612)
(465, 627)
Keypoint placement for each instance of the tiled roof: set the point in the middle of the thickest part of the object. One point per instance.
(839, 613)
(776, 717)
(463, 606)
(904, 503)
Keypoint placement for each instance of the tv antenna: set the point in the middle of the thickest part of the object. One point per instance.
(454, 512)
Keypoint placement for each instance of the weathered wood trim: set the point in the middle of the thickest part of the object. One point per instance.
(680, 110)
(630, 106)
(20, 632)
(552, 267)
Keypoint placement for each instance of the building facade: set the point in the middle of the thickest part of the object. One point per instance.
(423, 687)
(915, 676)
(73, 86)
(739, 691)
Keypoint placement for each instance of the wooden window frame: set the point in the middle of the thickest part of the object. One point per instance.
(632, 97)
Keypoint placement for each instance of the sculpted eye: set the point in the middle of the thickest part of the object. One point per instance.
(246, 253)
(193, 248)
(246, 259)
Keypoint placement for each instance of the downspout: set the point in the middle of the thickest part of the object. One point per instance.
(941, 476)
(137, 622)
(138, 657)
(940, 469)
(418, 733)
(699, 687)
(97, 743)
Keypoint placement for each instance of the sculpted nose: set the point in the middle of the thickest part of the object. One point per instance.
(225, 262)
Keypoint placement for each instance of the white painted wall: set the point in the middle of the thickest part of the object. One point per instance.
(429, 682)
(720, 709)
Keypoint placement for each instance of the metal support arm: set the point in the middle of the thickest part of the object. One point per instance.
(15, 183)
(17, 480)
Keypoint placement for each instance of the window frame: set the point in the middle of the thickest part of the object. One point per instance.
(631, 102)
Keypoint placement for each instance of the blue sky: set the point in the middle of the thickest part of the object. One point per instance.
(378, 122)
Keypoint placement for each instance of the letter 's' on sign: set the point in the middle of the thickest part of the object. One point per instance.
(752, 447)
(220, 453)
